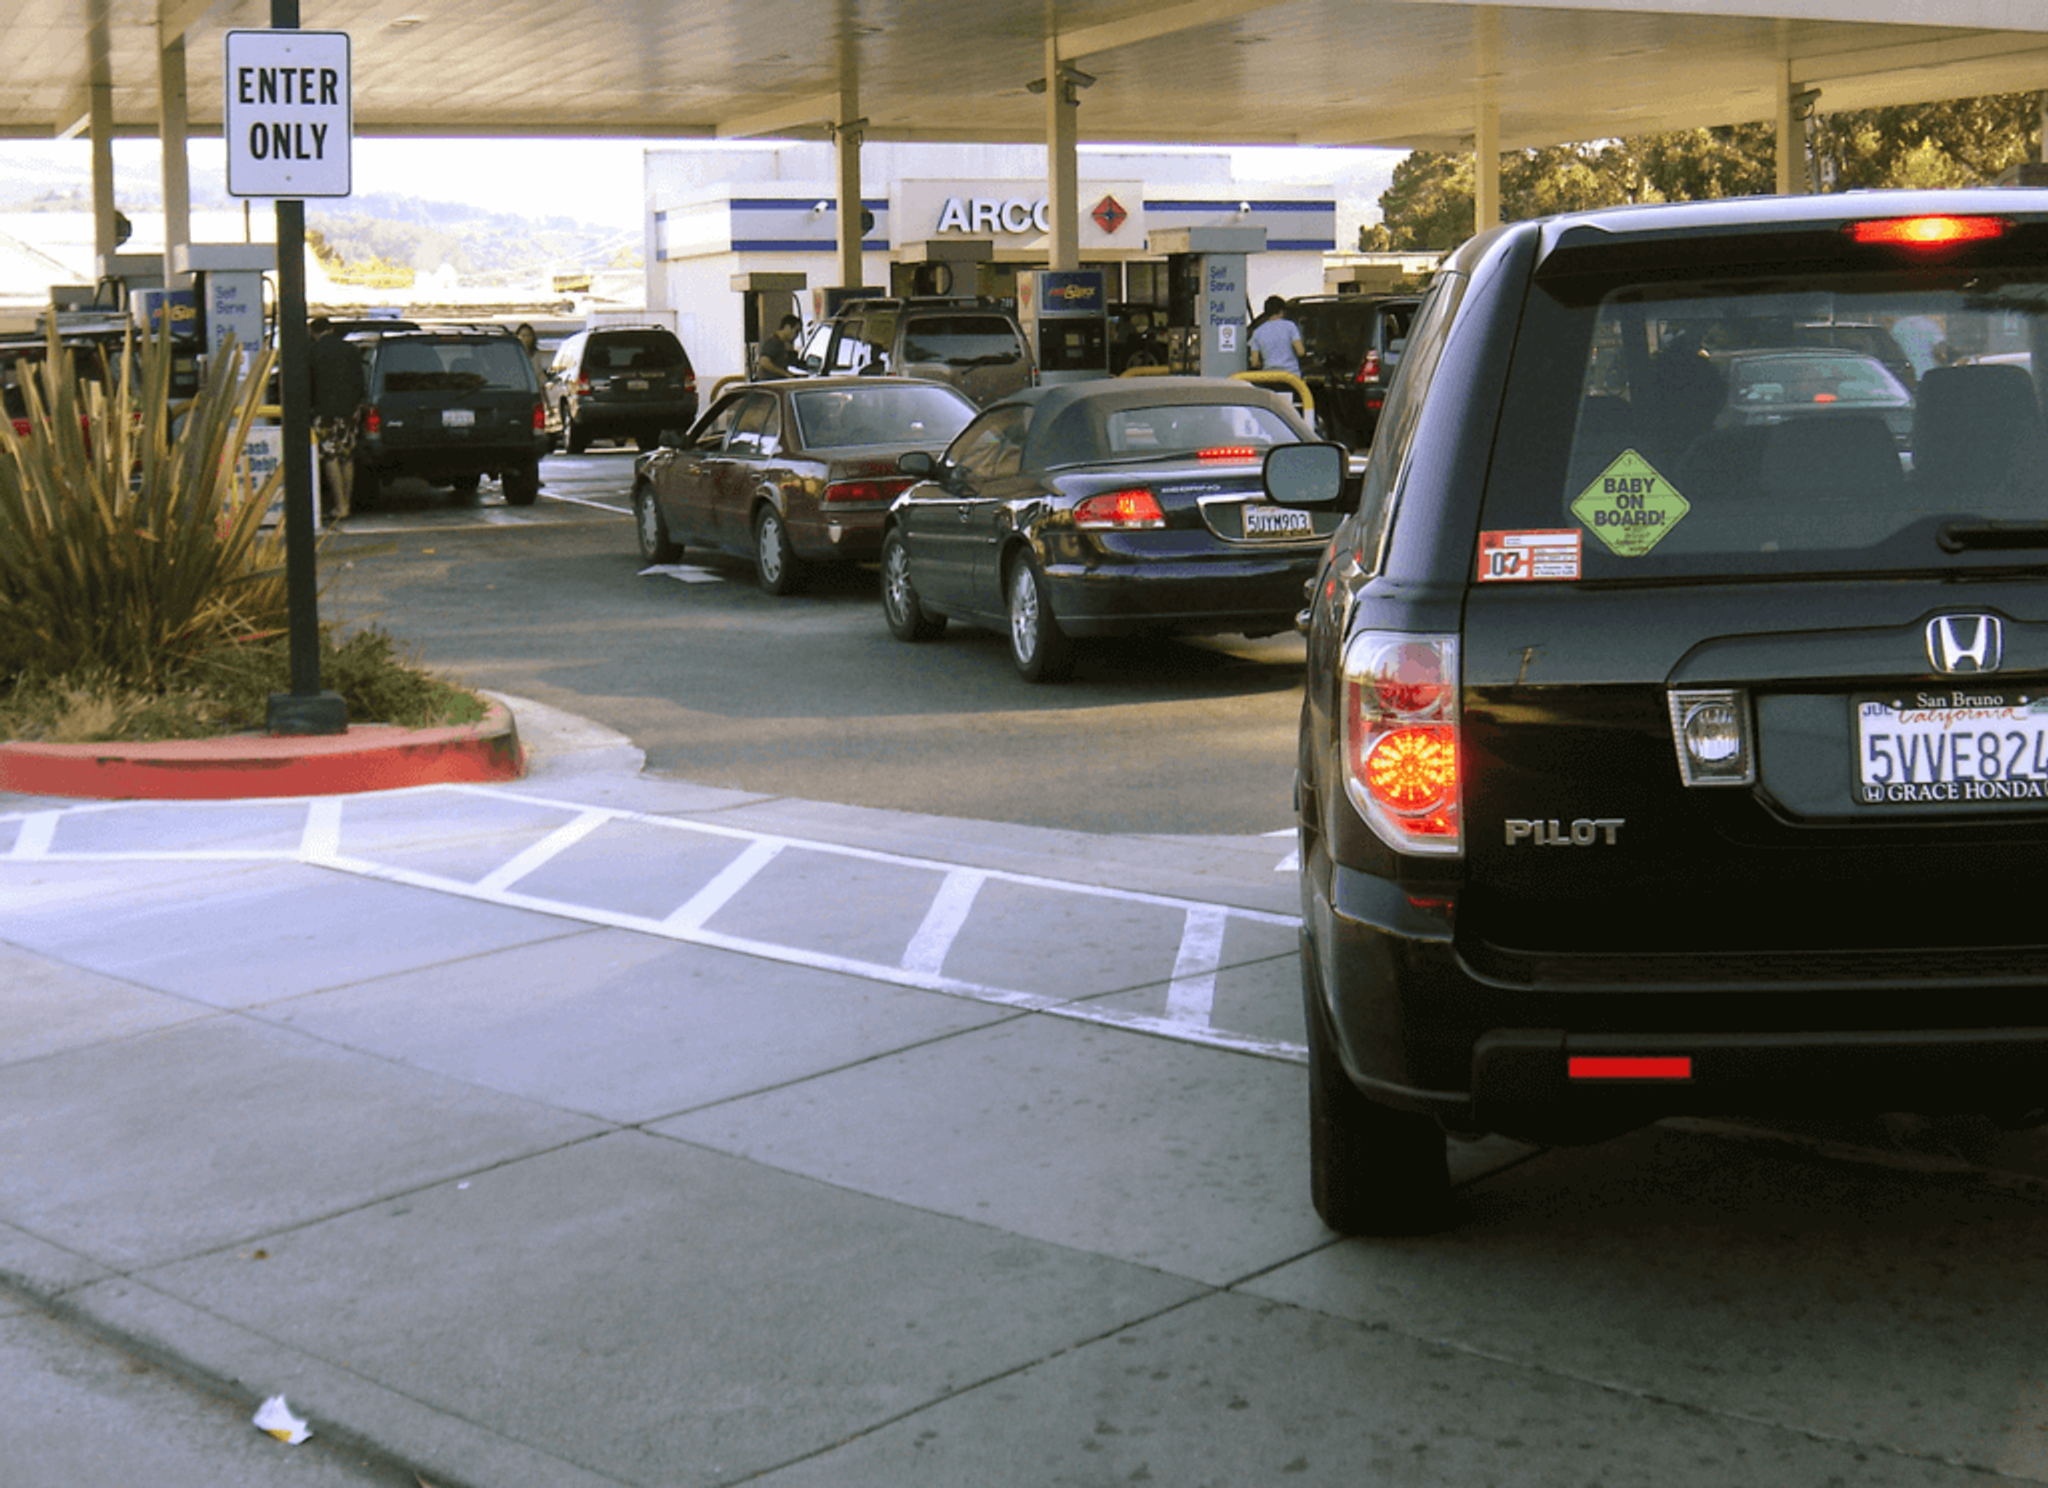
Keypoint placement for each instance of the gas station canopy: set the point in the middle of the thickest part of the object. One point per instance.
(1424, 74)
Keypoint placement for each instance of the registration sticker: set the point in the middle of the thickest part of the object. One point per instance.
(1547, 554)
(1630, 506)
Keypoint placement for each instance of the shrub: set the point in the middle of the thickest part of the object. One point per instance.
(127, 544)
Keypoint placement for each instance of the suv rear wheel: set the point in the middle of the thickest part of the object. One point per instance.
(522, 484)
(1372, 1170)
(574, 439)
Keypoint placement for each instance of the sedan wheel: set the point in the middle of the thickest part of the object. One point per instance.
(656, 546)
(900, 607)
(1038, 646)
(775, 564)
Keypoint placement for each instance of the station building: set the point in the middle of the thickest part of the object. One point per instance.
(958, 219)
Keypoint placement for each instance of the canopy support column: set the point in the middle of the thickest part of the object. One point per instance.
(174, 127)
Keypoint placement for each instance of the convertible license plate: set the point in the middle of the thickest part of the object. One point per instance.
(457, 418)
(1960, 746)
(1277, 521)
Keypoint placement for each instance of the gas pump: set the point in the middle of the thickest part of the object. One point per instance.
(764, 300)
(227, 288)
(1065, 317)
(1209, 301)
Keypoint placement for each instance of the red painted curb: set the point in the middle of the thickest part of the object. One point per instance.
(368, 757)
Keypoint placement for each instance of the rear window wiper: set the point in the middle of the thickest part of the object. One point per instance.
(1962, 537)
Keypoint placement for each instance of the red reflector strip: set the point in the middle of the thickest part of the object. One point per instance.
(1927, 232)
(1626, 1067)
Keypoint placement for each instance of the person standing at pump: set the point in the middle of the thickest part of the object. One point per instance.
(774, 358)
(1276, 340)
(338, 394)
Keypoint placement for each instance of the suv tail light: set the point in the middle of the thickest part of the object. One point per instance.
(1369, 369)
(373, 420)
(1400, 738)
(1926, 232)
(689, 382)
(1136, 507)
(582, 385)
(540, 418)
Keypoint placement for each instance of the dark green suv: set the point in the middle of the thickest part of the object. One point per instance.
(1654, 762)
(451, 407)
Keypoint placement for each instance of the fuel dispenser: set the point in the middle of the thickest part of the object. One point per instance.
(764, 300)
(1208, 298)
(1065, 317)
(941, 266)
(227, 288)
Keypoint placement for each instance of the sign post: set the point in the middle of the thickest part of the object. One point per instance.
(289, 125)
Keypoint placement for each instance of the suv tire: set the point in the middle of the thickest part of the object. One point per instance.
(775, 562)
(656, 546)
(574, 439)
(1041, 650)
(1372, 1170)
(900, 607)
(521, 484)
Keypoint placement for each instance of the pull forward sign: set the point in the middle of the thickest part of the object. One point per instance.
(287, 114)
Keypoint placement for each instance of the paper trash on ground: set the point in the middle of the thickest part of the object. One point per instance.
(275, 1417)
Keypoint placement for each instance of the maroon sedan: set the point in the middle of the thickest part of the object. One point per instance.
(789, 473)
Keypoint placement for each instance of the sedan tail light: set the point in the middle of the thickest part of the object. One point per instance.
(1401, 746)
(866, 490)
(1120, 510)
(1369, 369)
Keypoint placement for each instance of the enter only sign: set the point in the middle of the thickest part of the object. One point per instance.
(286, 113)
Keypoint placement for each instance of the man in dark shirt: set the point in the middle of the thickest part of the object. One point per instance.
(773, 359)
(338, 393)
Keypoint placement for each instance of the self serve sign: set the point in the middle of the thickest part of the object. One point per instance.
(286, 113)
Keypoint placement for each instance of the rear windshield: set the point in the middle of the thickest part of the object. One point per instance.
(1190, 428)
(632, 351)
(961, 341)
(455, 366)
(850, 417)
(1759, 425)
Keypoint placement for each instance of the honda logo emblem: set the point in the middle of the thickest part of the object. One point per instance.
(1965, 643)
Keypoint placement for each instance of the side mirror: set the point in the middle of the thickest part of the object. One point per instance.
(918, 463)
(1306, 475)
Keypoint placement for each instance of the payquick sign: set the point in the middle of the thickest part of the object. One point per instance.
(286, 113)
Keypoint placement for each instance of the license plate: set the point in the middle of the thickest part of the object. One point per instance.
(636, 385)
(457, 418)
(1277, 521)
(1951, 746)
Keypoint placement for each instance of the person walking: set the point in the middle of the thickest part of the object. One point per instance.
(338, 394)
(1276, 340)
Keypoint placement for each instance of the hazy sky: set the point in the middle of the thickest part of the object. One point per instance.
(596, 180)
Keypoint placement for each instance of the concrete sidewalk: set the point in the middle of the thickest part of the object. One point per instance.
(600, 1130)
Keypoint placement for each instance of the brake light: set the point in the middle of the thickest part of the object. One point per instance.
(582, 385)
(1629, 1067)
(1369, 369)
(865, 490)
(373, 420)
(689, 382)
(1401, 747)
(1238, 453)
(1136, 507)
(1927, 232)
(540, 418)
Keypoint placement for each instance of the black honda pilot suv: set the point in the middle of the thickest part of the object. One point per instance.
(1674, 744)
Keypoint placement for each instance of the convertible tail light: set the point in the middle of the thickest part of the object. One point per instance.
(1136, 507)
(1927, 232)
(373, 420)
(1233, 453)
(1401, 747)
(866, 490)
(1369, 369)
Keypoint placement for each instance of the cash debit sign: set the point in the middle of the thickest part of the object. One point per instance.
(286, 113)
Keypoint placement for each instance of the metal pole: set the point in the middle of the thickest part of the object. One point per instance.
(305, 709)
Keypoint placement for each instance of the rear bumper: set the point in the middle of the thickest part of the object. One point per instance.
(608, 416)
(1210, 596)
(1420, 1028)
(851, 534)
(430, 461)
